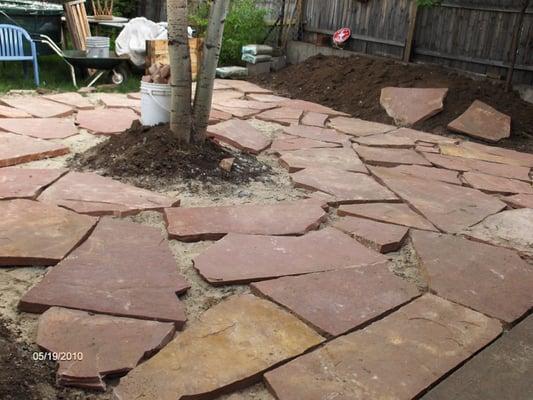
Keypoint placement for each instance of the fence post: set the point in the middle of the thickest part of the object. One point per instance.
(514, 44)
(411, 29)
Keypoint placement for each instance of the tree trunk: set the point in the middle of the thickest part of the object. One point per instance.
(206, 79)
(180, 64)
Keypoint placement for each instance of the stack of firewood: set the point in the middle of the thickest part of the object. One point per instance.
(158, 73)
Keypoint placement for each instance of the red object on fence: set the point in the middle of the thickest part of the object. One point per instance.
(341, 36)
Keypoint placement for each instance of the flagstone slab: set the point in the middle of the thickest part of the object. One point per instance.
(40, 128)
(213, 223)
(336, 302)
(342, 159)
(118, 100)
(315, 119)
(243, 108)
(123, 269)
(386, 140)
(316, 133)
(267, 98)
(89, 193)
(229, 347)
(37, 106)
(38, 234)
(409, 106)
(247, 258)
(22, 183)
(427, 149)
(390, 157)
(135, 95)
(359, 127)
(512, 229)
(283, 115)
(423, 137)
(496, 184)
(72, 99)
(488, 279)
(398, 214)
(308, 106)
(242, 86)
(395, 358)
(346, 187)
(108, 345)
(507, 156)
(479, 153)
(483, 122)
(451, 208)
(10, 112)
(216, 116)
(519, 201)
(471, 165)
(17, 149)
(240, 134)
(422, 172)
(384, 238)
(106, 121)
(501, 371)
(291, 143)
(221, 96)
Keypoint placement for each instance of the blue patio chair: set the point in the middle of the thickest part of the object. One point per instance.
(12, 47)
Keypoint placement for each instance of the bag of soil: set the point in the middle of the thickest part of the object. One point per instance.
(257, 49)
(231, 72)
(249, 58)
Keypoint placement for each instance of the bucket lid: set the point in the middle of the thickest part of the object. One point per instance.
(30, 7)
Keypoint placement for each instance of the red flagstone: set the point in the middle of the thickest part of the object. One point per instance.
(496, 184)
(10, 112)
(427, 149)
(465, 150)
(17, 149)
(483, 122)
(283, 115)
(346, 187)
(308, 106)
(436, 174)
(396, 358)
(37, 106)
(38, 234)
(291, 143)
(386, 140)
(213, 223)
(22, 183)
(316, 133)
(342, 159)
(135, 96)
(399, 214)
(266, 98)
(72, 99)
(336, 302)
(242, 86)
(488, 279)
(240, 134)
(109, 345)
(89, 193)
(240, 258)
(106, 121)
(217, 116)
(381, 237)
(40, 128)
(519, 201)
(243, 108)
(506, 156)
(423, 137)
(124, 269)
(118, 100)
(221, 96)
(359, 127)
(390, 157)
(408, 106)
(315, 119)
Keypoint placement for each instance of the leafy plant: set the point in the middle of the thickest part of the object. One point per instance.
(125, 8)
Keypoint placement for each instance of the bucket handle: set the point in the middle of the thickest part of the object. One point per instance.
(157, 102)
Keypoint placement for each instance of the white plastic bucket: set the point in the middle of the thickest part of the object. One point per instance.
(155, 103)
(97, 47)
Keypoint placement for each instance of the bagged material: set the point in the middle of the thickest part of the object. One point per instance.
(257, 49)
(232, 72)
(249, 58)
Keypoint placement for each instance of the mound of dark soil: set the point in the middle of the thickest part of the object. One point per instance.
(353, 85)
(153, 158)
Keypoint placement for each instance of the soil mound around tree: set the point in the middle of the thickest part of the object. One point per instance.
(154, 159)
(353, 85)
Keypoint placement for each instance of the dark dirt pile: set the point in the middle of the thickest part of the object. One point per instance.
(152, 158)
(353, 85)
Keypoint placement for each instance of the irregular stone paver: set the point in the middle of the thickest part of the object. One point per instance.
(118, 100)
(291, 143)
(437, 174)
(359, 127)
(346, 187)
(10, 112)
(283, 115)
(240, 134)
(243, 108)
(336, 302)
(38, 106)
(216, 116)
(38, 234)
(221, 96)
(135, 96)
(386, 140)
(123, 269)
(501, 371)
(488, 279)
(398, 214)
(427, 149)
(41, 128)
(519, 201)
(408, 106)
(316, 133)
(315, 119)
(72, 99)
(242, 86)
(267, 98)
(512, 229)
(483, 122)
(89, 193)
(342, 159)
(395, 358)
(381, 237)
(248, 258)
(423, 137)
(106, 121)
(308, 106)
(230, 346)
(109, 345)
(465, 151)
(390, 157)
(212, 223)
(490, 168)
(22, 183)
(508, 156)
(450, 208)
(496, 184)
(17, 149)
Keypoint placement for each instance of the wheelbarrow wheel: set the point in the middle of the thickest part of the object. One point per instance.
(120, 75)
